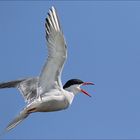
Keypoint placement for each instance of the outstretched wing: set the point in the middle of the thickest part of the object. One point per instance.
(27, 87)
(50, 76)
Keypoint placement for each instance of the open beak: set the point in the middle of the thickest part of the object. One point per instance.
(83, 91)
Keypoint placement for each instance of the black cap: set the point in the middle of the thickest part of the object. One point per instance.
(72, 82)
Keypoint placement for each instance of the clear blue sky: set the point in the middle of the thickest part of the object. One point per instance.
(103, 41)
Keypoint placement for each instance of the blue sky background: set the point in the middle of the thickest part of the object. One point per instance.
(103, 41)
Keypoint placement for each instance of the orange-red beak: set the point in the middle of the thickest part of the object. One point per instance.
(83, 91)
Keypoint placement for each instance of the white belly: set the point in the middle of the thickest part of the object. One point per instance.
(52, 103)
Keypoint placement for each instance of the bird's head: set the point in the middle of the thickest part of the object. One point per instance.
(74, 85)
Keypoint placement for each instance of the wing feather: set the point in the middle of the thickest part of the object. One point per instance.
(50, 76)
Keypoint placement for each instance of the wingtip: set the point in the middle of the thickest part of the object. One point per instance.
(52, 20)
(53, 8)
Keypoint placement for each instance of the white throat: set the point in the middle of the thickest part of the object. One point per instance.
(71, 92)
(74, 89)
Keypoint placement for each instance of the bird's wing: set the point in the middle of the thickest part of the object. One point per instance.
(50, 76)
(27, 87)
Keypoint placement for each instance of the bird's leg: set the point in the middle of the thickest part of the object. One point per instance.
(32, 110)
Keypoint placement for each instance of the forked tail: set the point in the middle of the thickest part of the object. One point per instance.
(17, 120)
(23, 114)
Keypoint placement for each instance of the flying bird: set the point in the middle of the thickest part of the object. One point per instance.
(45, 93)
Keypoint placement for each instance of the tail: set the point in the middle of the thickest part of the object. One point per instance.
(23, 114)
(10, 84)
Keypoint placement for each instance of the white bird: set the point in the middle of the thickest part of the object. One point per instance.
(45, 93)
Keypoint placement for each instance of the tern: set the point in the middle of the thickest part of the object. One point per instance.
(45, 93)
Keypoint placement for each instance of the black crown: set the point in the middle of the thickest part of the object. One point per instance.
(72, 82)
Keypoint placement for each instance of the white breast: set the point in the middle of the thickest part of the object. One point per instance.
(55, 100)
(53, 103)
